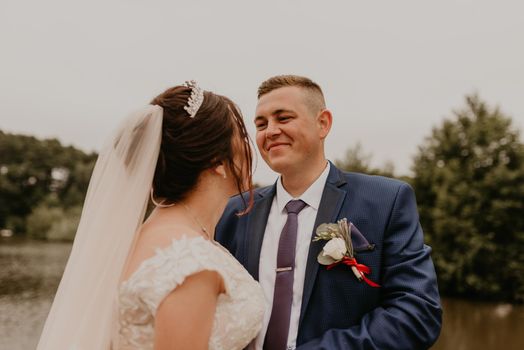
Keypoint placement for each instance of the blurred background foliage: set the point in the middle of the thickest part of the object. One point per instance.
(468, 176)
(42, 186)
(469, 180)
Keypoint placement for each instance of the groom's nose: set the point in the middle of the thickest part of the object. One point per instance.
(272, 130)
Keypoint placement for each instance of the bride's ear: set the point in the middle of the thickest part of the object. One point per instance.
(220, 170)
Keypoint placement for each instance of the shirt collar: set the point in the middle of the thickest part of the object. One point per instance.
(311, 196)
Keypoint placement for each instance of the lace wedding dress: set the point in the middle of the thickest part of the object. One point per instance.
(239, 311)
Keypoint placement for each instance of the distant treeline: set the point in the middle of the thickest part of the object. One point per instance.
(468, 176)
(42, 186)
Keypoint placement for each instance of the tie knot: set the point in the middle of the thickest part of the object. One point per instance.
(295, 206)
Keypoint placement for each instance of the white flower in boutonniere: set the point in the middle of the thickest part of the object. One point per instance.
(339, 249)
(335, 248)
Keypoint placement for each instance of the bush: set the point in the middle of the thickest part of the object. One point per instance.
(53, 223)
(65, 228)
(41, 219)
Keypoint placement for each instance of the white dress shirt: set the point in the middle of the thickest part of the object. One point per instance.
(268, 253)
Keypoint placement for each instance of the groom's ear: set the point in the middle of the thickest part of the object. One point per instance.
(324, 122)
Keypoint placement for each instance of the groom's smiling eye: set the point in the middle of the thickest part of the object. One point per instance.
(260, 124)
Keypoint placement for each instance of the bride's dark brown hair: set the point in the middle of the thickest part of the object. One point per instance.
(191, 145)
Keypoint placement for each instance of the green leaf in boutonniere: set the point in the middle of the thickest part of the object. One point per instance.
(326, 232)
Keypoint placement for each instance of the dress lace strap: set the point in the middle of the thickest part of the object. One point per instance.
(160, 274)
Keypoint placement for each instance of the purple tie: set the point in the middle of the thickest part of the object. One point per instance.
(278, 327)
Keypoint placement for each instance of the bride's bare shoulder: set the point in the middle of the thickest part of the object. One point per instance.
(152, 233)
(152, 237)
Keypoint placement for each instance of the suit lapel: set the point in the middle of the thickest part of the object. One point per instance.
(330, 204)
(256, 227)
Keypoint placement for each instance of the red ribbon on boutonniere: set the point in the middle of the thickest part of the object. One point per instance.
(339, 249)
(363, 269)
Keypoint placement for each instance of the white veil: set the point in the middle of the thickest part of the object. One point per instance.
(83, 314)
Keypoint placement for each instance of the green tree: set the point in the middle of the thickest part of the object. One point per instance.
(469, 180)
(357, 160)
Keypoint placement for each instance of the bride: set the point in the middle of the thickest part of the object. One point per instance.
(162, 283)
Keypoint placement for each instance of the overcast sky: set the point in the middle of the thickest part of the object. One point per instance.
(390, 70)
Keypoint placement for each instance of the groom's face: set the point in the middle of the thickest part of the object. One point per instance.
(288, 135)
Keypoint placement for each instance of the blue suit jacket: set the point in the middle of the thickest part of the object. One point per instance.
(338, 312)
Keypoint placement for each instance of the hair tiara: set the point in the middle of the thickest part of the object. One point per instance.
(195, 100)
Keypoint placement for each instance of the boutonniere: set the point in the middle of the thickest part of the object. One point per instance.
(339, 249)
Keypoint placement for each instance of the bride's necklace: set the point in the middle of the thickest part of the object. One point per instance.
(195, 219)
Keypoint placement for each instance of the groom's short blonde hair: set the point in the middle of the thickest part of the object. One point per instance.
(314, 95)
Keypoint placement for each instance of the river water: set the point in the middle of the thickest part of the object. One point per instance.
(30, 272)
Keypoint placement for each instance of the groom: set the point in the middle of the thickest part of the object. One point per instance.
(311, 306)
